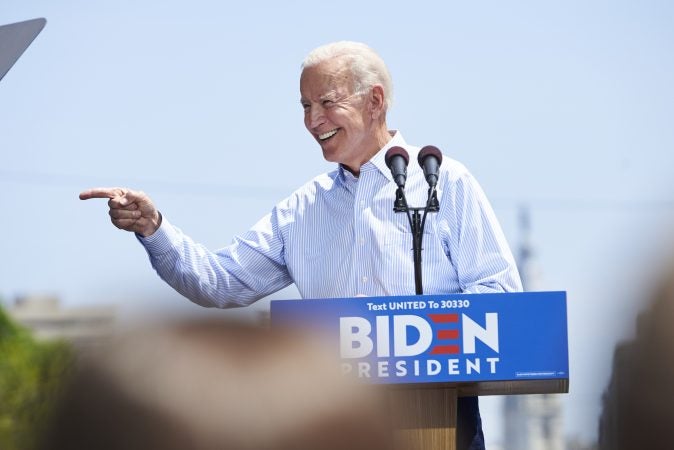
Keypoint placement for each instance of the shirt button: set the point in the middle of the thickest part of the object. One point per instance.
(364, 279)
(362, 241)
(362, 203)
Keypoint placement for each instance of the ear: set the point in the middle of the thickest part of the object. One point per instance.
(377, 102)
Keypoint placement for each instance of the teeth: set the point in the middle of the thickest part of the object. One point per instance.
(327, 135)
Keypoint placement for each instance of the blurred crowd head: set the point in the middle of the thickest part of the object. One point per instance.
(216, 385)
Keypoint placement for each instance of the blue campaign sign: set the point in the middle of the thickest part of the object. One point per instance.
(441, 338)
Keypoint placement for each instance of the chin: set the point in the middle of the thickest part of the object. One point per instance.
(330, 155)
(330, 158)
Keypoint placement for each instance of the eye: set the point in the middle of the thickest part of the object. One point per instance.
(305, 106)
(327, 103)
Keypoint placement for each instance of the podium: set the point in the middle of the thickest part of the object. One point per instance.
(430, 350)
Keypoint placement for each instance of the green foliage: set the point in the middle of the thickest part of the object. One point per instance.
(31, 376)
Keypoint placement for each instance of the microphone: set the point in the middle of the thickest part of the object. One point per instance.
(397, 159)
(430, 159)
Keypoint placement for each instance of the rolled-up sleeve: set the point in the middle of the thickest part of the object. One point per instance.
(237, 275)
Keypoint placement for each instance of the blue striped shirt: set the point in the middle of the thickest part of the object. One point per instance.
(337, 236)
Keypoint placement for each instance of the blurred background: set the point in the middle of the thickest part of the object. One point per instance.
(562, 110)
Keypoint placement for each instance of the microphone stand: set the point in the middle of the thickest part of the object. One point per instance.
(417, 224)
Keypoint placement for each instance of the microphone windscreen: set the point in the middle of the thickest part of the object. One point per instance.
(396, 151)
(429, 150)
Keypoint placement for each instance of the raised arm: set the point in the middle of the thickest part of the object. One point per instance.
(250, 268)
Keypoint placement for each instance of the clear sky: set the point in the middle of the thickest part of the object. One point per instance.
(565, 106)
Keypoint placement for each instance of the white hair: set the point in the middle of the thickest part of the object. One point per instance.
(367, 67)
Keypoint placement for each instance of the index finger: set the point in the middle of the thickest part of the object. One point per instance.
(102, 193)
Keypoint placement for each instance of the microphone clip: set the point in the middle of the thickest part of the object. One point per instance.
(433, 204)
(400, 202)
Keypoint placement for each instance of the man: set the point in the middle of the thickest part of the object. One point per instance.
(337, 236)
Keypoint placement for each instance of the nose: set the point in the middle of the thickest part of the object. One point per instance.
(315, 117)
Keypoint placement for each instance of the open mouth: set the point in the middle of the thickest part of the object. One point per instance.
(327, 135)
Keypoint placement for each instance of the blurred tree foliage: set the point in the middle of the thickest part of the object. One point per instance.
(31, 375)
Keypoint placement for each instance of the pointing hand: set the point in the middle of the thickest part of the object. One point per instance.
(129, 210)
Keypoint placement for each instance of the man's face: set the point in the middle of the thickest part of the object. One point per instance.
(336, 117)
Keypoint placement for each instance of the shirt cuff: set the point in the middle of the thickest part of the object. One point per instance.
(162, 240)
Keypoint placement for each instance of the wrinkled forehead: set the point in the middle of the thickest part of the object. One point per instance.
(328, 76)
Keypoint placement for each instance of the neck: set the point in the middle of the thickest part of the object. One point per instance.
(378, 141)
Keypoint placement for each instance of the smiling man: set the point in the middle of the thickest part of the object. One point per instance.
(345, 116)
(337, 236)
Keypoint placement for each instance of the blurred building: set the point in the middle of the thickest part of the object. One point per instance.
(84, 327)
(638, 403)
(531, 422)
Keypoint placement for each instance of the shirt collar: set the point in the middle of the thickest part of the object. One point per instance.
(379, 160)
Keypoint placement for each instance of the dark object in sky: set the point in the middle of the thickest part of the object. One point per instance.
(15, 39)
